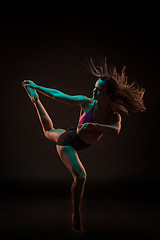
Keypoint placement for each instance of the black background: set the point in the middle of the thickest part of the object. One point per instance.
(51, 47)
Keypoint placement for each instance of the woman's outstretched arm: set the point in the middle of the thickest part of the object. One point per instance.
(58, 95)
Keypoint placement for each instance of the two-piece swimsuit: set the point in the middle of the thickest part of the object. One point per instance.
(70, 136)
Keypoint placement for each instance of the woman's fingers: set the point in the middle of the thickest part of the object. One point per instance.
(25, 85)
(84, 125)
(27, 82)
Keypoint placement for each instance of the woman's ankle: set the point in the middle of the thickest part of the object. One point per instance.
(77, 223)
(76, 212)
(76, 215)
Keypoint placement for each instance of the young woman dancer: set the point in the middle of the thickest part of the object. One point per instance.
(99, 115)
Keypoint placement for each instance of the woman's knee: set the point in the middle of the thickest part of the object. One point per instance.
(53, 134)
(79, 172)
(70, 158)
(81, 177)
(48, 133)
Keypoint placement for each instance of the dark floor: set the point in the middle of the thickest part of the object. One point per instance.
(36, 215)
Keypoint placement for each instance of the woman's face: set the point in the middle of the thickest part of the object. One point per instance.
(99, 92)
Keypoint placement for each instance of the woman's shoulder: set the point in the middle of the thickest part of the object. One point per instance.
(116, 114)
(92, 100)
(89, 104)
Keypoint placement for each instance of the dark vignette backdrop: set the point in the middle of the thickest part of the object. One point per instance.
(50, 46)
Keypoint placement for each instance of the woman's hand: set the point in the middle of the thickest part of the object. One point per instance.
(29, 83)
(88, 126)
(29, 87)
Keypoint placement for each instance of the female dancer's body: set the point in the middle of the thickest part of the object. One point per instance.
(99, 117)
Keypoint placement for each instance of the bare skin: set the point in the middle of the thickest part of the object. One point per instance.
(69, 157)
(103, 114)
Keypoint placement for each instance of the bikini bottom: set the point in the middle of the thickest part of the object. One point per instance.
(71, 138)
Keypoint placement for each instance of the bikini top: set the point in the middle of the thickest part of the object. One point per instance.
(88, 117)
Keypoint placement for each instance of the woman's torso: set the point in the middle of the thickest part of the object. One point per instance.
(96, 116)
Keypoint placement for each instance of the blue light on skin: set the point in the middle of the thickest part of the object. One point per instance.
(99, 92)
(101, 96)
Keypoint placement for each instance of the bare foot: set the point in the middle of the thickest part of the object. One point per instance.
(76, 223)
(32, 94)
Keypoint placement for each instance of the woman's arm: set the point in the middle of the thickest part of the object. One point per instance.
(58, 95)
(113, 128)
(108, 129)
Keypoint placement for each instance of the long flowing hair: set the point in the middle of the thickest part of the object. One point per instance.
(125, 96)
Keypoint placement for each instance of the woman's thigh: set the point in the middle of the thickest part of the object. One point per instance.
(71, 160)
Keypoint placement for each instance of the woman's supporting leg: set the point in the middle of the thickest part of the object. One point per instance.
(71, 160)
(77, 190)
(47, 125)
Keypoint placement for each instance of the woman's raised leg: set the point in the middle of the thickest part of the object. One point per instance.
(71, 160)
(47, 125)
(69, 157)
